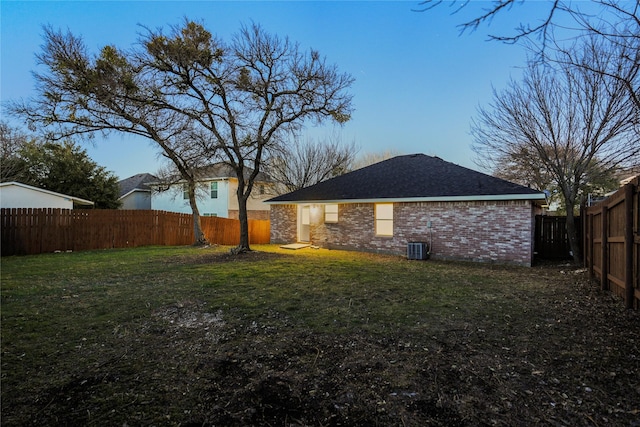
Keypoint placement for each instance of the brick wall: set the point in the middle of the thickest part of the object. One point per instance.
(487, 231)
(284, 228)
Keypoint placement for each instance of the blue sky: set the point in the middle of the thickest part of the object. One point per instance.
(418, 82)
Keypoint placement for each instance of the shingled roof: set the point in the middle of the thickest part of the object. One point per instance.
(136, 182)
(412, 177)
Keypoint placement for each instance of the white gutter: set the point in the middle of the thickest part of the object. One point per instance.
(133, 191)
(537, 196)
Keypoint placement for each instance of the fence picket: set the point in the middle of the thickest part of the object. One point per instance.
(612, 243)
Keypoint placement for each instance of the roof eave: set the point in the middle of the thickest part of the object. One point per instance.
(135, 190)
(82, 202)
(494, 197)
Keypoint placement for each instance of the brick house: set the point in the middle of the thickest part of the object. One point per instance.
(457, 212)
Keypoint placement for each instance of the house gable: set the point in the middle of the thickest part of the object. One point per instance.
(135, 192)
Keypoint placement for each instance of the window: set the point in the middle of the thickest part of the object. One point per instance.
(214, 190)
(185, 191)
(384, 219)
(331, 213)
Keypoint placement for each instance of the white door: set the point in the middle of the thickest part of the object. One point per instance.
(304, 220)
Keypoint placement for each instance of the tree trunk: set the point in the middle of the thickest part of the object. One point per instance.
(572, 235)
(199, 237)
(243, 246)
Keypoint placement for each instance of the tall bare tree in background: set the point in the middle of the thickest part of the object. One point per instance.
(303, 164)
(370, 158)
(573, 123)
(192, 94)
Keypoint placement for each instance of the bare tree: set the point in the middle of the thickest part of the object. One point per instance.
(624, 46)
(367, 159)
(520, 166)
(523, 167)
(574, 122)
(303, 164)
(192, 94)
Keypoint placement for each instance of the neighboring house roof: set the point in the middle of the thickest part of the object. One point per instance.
(415, 177)
(137, 182)
(76, 200)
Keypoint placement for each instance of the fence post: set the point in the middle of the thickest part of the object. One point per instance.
(588, 242)
(628, 245)
(604, 280)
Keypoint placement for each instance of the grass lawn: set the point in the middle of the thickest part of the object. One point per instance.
(193, 336)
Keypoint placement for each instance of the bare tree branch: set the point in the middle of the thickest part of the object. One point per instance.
(301, 165)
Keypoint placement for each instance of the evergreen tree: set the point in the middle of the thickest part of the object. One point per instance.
(64, 168)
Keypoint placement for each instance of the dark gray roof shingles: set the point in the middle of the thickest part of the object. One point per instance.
(136, 182)
(405, 177)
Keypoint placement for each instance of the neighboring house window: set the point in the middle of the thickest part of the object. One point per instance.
(261, 187)
(185, 191)
(331, 213)
(384, 219)
(214, 190)
(209, 214)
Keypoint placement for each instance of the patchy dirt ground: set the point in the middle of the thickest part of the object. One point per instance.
(207, 257)
(189, 365)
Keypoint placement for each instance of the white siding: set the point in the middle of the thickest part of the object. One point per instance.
(255, 202)
(136, 200)
(172, 200)
(12, 196)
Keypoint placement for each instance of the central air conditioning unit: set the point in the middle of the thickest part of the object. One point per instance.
(418, 250)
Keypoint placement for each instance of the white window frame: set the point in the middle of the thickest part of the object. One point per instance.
(384, 219)
(213, 187)
(331, 213)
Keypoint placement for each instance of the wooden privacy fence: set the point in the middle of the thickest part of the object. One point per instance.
(34, 231)
(612, 243)
(551, 240)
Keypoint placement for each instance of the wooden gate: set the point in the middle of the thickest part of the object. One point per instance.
(551, 240)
